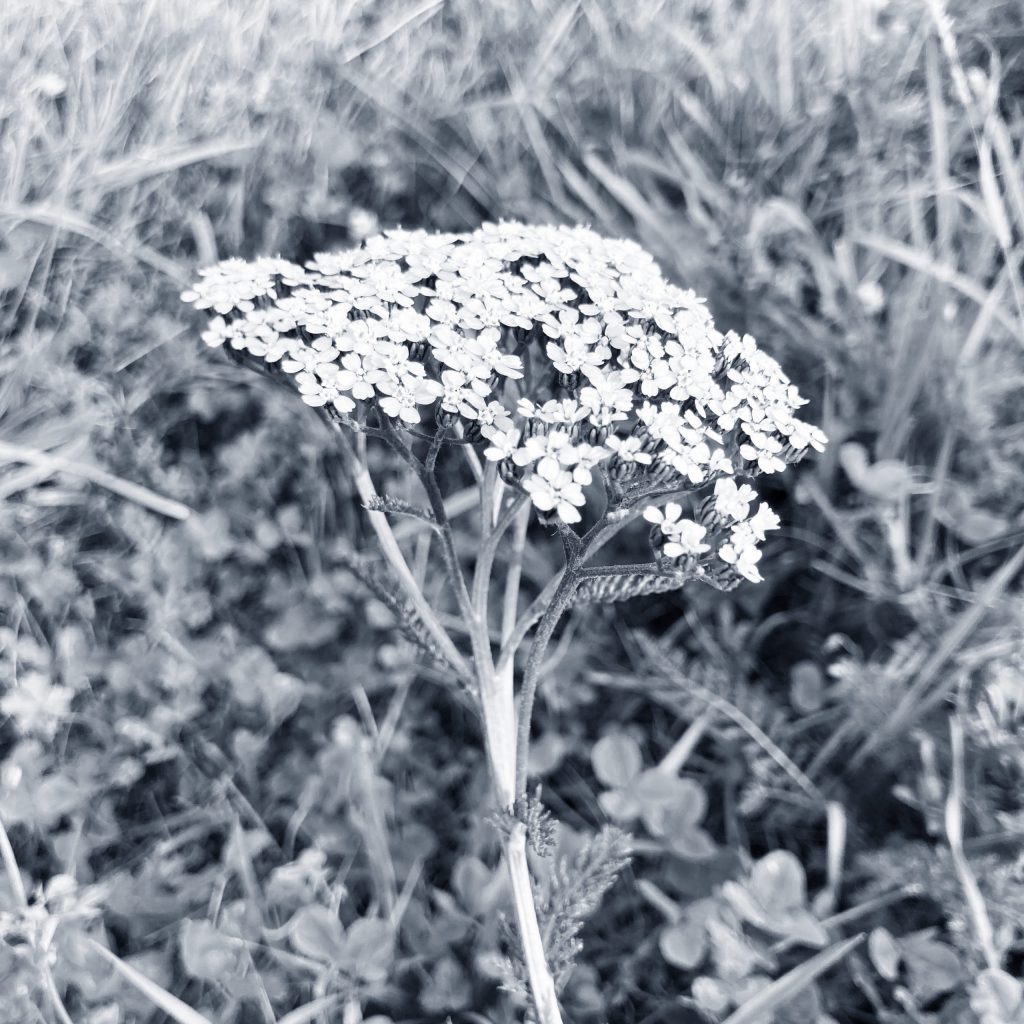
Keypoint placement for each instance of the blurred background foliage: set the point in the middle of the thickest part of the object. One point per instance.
(220, 761)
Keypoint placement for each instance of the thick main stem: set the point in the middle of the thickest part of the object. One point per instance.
(542, 984)
(499, 714)
(496, 693)
(499, 725)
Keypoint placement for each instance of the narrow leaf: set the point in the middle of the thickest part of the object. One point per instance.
(159, 997)
(792, 983)
(312, 1010)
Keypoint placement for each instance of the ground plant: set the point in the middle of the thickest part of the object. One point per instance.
(385, 684)
(578, 384)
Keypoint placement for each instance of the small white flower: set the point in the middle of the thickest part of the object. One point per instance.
(561, 324)
(743, 555)
(732, 501)
(485, 347)
(489, 415)
(313, 390)
(555, 443)
(763, 449)
(763, 520)
(357, 376)
(458, 390)
(504, 443)
(443, 312)
(552, 488)
(402, 398)
(218, 332)
(609, 390)
(306, 358)
(689, 461)
(234, 285)
(549, 346)
(406, 324)
(687, 538)
(451, 348)
(628, 449)
(564, 412)
(666, 518)
(802, 435)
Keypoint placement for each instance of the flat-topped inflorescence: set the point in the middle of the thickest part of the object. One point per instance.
(592, 382)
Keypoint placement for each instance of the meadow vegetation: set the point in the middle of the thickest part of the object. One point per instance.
(230, 791)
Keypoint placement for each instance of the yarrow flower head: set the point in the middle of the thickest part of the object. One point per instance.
(566, 358)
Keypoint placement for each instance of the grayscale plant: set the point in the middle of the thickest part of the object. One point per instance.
(559, 379)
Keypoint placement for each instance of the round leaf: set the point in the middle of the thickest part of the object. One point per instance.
(997, 998)
(316, 932)
(806, 687)
(206, 953)
(683, 944)
(778, 882)
(368, 947)
(619, 804)
(616, 760)
(711, 995)
(933, 968)
(691, 843)
(884, 953)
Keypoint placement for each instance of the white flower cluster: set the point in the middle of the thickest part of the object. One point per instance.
(567, 356)
(728, 517)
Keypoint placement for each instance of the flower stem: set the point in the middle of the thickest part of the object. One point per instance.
(393, 553)
(542, 984)
(497, 699)
(534, 662)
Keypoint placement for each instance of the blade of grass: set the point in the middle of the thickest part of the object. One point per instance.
(159, 997)
(538, 75)
(17, 887)
(792, 983)
(954, 822)
(939, 124)
(1002, 145)
(630, 198)
(672, 763)
(123, 488)
(836, 847)
(423, 12)
(916, 701)
(148, 163)
(312, 1010)
(925, 264)
(12, 870)
(68, 220)
(991, 196)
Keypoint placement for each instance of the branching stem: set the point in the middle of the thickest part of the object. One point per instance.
(393, 553)
(534, 662)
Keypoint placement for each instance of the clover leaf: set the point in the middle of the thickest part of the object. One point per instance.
(363, 951)
(317, 932)
(671, 808)
(774, 897)
(208, 954)
(998, 998)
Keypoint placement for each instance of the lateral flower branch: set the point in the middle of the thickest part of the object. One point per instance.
(562, 378)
